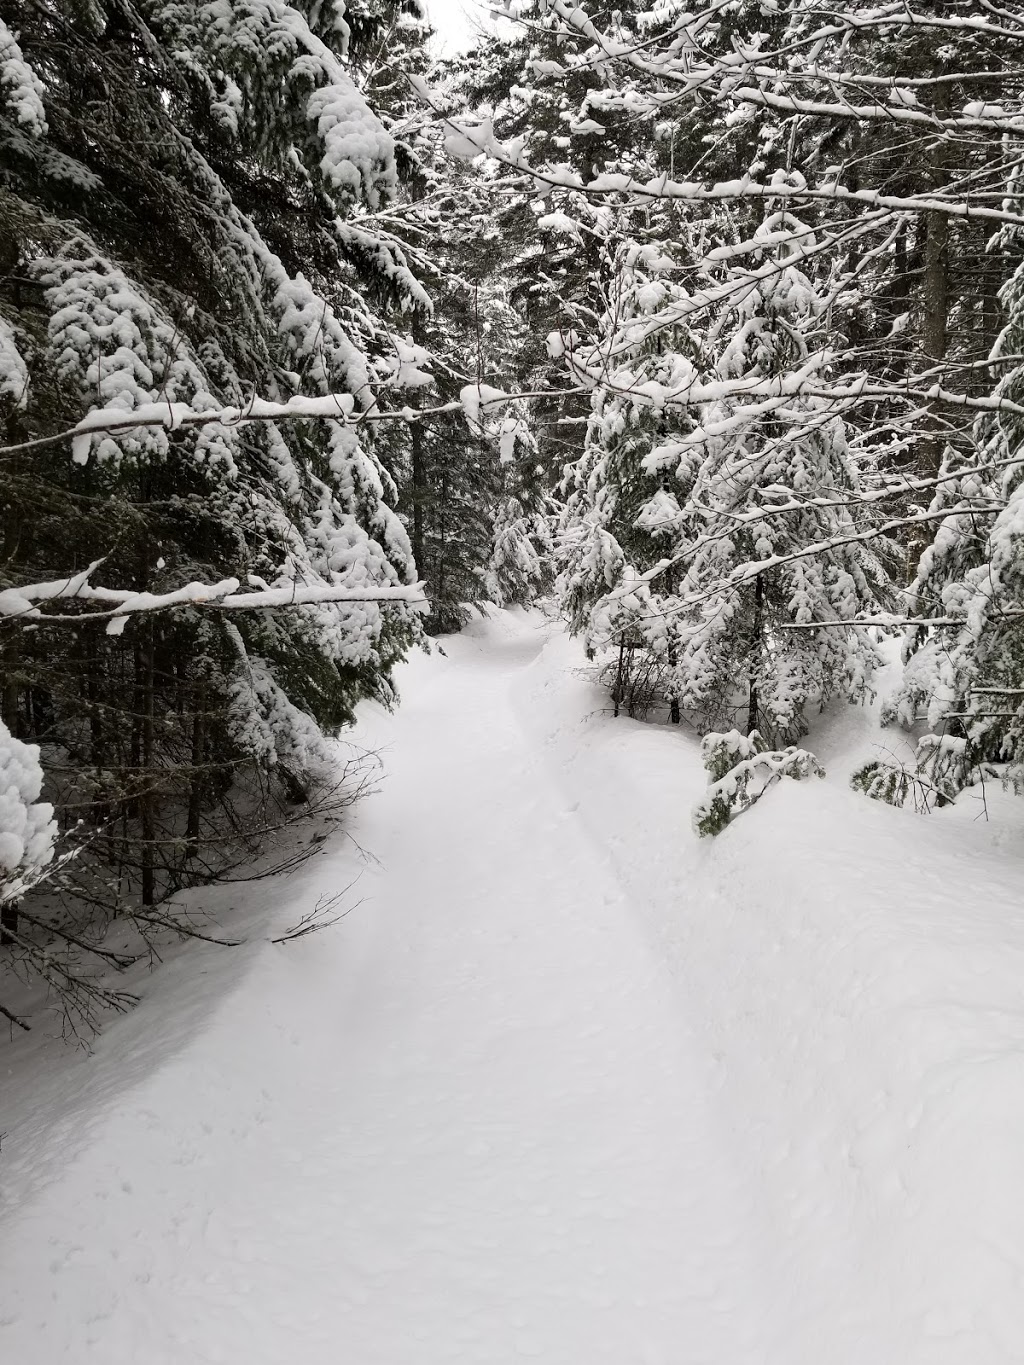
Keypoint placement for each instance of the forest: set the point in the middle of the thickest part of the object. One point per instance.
(701, 326)
(442, 488)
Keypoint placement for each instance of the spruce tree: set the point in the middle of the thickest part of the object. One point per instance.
(712, 527)
(187, 207)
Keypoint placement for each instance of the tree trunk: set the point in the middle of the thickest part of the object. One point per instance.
(673, 654)
(9, 699)
(8, 922)
(755, 656)
(195, 797)
(147, 797)
(419, 470)
(934, 327)
(11, 544)
(91, 691)
(935, 293)
(935, 287)
(619, 678)
(441, 566)
(419, 495)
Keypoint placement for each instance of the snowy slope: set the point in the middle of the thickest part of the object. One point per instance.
(858, 974)
(568, 1086)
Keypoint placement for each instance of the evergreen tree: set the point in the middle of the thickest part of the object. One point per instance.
(964, 655)
(470, 492)
(188, 207)
(903, 122)
(716, 527)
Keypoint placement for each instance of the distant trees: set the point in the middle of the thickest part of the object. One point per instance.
(726, 536)
(473, 497)
(821, 355)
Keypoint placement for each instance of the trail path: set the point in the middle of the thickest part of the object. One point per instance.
(469, 1124)
(566, 1085)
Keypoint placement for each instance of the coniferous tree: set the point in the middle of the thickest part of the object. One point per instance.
(189, 200)
(904, 125)
(964, 655)
(719, 533)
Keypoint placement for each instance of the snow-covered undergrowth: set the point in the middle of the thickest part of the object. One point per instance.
(570, 1084)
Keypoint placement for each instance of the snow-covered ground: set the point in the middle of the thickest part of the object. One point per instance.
(567, 1086)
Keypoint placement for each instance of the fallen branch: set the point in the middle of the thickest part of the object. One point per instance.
(321, 916)
(14, 1019)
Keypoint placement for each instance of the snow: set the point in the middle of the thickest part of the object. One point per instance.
(559, 222)
(466, 140)
(586, 126)
(27, 827)
(264, 723)
(13, 370)
(475, 397)
(335, 407)
(120, 603)
(253, 47)
(408, 367)
(21, 90)
(359, 155)
(569, 1085)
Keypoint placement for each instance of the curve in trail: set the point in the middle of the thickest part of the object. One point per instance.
(466, 1125)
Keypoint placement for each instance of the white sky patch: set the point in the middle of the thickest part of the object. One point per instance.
(458, 23)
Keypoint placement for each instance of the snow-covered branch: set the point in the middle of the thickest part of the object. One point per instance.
(116, 605)
(171, 416)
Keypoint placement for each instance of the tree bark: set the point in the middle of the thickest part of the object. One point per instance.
(12, 528)
(752, 699)
(934, 338)
(442, 565)
(195, 796)
(935, 293)
(8, 922)
(619, 678)
(10, 698)
(419, 495)
(147, 798)
(419, 473)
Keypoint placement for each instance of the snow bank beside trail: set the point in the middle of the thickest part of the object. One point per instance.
(861, 973)
(55, 1097)
(857, 973)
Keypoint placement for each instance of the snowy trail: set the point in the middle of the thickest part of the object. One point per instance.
(568, 1086)
(469, 1124)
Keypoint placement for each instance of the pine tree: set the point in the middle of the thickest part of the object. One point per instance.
(712, 527)
(188, 213)
(470, 493)
(964, 674)
(770, 552)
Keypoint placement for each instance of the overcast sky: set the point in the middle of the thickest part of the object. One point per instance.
(455, 21)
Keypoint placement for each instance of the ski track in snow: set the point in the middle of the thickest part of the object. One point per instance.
(465, 1125)
(566, 1087)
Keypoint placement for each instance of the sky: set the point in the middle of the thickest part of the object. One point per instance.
(456, 21)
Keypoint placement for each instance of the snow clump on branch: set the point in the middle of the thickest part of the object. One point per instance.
(27, 827)
(21, 90)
